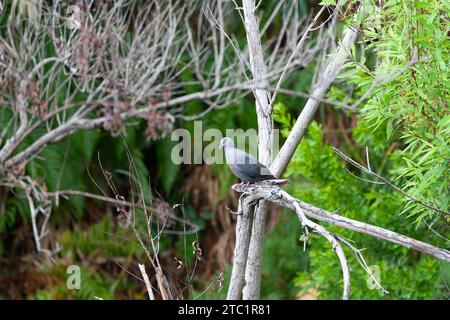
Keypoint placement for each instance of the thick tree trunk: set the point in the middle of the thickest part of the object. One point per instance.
(265, 140)
(254, 247)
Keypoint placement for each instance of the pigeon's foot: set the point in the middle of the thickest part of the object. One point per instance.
(244, 184)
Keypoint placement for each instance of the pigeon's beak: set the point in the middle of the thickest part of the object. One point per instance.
(220, 145)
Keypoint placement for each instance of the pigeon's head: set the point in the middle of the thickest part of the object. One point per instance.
(226, 142)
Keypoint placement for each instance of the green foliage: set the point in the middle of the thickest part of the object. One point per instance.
(283, 118)
(93, 249)
(405, 122)
(99, 239)
(321, 180)
(56, 160)
(283, 258)
(14, 208)
(93, 285)
(168, 171)
(410, 103)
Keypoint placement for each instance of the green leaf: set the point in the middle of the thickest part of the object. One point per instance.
(168, 171)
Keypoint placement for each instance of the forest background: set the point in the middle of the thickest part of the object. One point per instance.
(403, 121)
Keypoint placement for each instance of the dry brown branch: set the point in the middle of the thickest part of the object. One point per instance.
(193, 228)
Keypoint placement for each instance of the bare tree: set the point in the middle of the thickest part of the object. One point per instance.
(98, 64)
(246, 273)
(272, 192)
(83, 65)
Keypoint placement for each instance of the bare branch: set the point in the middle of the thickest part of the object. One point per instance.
(386, 181)
(320, 89)
(127, 204)
(148, 285)
(362, 262)
(274, 194)
(265, 141)
(336, 246)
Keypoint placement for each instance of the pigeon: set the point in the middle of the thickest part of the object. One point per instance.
(244, 166)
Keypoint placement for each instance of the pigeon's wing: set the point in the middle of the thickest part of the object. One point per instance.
(251, 167)
(245, 158)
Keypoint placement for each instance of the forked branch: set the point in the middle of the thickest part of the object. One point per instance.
(306, 212)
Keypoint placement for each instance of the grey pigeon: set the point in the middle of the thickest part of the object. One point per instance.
(243, 165)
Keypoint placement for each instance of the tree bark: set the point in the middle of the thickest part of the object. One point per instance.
(274, 194)
(243, 231)
(265, 127)
(265, 140)
(323, 84)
